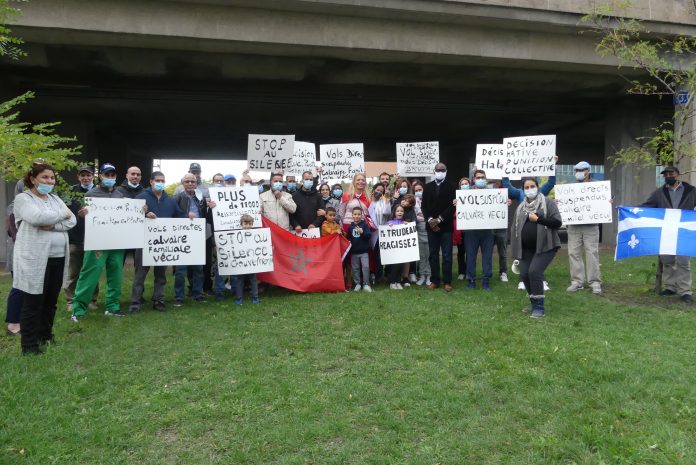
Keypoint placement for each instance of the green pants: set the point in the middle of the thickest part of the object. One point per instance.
(92, 264)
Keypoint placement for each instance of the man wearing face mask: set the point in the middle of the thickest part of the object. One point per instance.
(584, 238)
(476, 239)
(438, 210)
(96, 260)
(676, 277)
(218, 180)
(159, 205)
(291, 184)
(230, 180)
(309, 213)
(276, 204)
(131, 187)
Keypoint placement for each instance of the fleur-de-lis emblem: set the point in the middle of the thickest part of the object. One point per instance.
(636, 210)
(633, 242)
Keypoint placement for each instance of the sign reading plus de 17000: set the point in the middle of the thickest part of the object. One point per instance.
(269, 152)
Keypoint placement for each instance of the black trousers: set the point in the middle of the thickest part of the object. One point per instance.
(39, 310)
(532, 268)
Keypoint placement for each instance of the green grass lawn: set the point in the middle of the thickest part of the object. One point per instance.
(392, 377)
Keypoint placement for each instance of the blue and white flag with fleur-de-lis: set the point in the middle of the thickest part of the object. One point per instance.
(655, 231)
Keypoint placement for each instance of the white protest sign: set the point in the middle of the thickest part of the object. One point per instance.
(304, 158)
(491, 159)
(417, 158)
(113, 224)
(313, 233)
(341, 161)
(268, 152)
(244, 251)
(529, 156)
(398, 243)
(233, 202)
(482, 209)
(584, 202)
(174, 241)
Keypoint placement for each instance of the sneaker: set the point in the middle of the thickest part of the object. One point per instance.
(357, 288)
(405, 284)
(574, 287)
(667, 292)
(520, 287)
(178, 303)
(393, 287)
(486, 285)
(596, 289)
(546, 286)
(238, 301)
(202, 298)
(461, 277)
(367, 288)
(76, 318)
(471, 285)
(412, 278)
(159, 306)
(113, 313)
(427, 281)
(398, 286)
(255, 300)
(687, 299)
(537, 313)
(503, 277)
(134, 309)
(420, 281)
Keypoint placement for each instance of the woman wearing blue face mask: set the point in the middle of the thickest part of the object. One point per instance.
(402, 186)
(329, 199)
(41, 254)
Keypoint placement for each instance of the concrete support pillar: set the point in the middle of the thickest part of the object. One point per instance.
(685, 136)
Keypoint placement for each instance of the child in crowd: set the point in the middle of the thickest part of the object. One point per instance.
(247, 222)
(408, 201)
(330, 226)
(359, 234)
(396, 269)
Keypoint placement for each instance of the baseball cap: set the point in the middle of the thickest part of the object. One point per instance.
(229, 177)
(86, 168)
(107, 167)
(583, 165)
(670, 168)
(195, 167)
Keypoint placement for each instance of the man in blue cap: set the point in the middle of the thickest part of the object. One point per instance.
(584, 238)
(230, 180)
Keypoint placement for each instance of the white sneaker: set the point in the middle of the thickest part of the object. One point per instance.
(546, 286)
(398, 286)
(521, 287)
(412, 278)
(427, 281)
(460, 277)
(420, 281)
(503, 277)
(357, 288)
(596, 289)
(393, 287)
(367, 288)
(574, 287)
(406, 284)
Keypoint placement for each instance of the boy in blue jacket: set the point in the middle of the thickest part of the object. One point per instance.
(359, 235)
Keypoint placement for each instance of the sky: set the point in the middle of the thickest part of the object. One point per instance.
(174, 169)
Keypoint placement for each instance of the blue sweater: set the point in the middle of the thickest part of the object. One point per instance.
(518, 194)
(164, 207)
(361, 242)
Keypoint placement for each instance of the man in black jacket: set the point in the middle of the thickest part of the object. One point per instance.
(676, 276)
(310, 212)
(438, 209)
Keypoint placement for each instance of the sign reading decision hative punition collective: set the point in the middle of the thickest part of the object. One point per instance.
(269, 152)
(482, 209)
(244, 251)
(398, 244)
(341, 161)
(491, 159)
(174, 241)
(304, 158)
(113, 224)
(529, 156)
(417, 158)
(584, 202)
(233, 202)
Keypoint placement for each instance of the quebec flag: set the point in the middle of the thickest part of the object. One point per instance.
(655, 231)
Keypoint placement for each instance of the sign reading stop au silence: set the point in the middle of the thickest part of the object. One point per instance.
(244, 251)
(584, 202)
(269, 152)
(482, 209)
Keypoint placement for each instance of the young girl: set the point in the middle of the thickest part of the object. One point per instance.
(396, 268)
(423, 249)
(408, 202)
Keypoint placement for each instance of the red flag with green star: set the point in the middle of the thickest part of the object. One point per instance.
(306, 265)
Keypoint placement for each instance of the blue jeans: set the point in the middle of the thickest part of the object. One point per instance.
(437, 241)
(239, 288)
(483, 239)
(180, 281)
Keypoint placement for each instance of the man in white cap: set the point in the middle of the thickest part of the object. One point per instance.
(584, 239)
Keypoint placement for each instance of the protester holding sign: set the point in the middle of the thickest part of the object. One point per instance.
(676, 276)
(535, 242)
(380, 212)
(421, 225)
(276, 204)
(438, 210)
(310, 212)
(482, 239)
(247, 222)
(96, 260)
(41, 254)
(158, 205)
(396, 271)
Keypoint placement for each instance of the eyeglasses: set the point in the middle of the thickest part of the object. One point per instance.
(189, 182)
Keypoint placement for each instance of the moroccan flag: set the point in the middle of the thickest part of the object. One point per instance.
(306, 265)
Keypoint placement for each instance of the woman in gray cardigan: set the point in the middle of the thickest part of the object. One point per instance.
(535, 241)
(40, 254)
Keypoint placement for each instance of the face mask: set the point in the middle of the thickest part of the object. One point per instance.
(670, 180)
(277, 186)
(531, 193)
(419, 194)
(159, 186)
(378, 194)
(325, 197)
(579, 175)
(44, 189)
(338, 193)
(133, 185)
(464, 187)
(219, 184)
(440, 175)
(292, 186)
(307, 184)
(260, 188)
(86, 186)
(402, 190)
(480, 183)
(109, 182)
(490, 186)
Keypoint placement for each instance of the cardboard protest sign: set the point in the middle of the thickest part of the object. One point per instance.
(113, 224)
(529, 156)
(585, 202)
(491, 159)
(233, 202)
(341, 161)
(244, 251)
(309, 233)
(304, 158)
(174, 241)
(398, 244)
(268, 152)
(417, 158)
(482, 209)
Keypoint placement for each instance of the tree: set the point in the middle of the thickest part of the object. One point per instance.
(666, 69)
(22, 143)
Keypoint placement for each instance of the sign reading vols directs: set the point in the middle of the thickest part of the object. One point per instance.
(233, 202)
(113, 224)
(174, 241)
(341, 161)
(482, 209)
(269, 153)
(585, 202)
(417, 158)
(244, 251)
(529, 156)
(398, 244)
